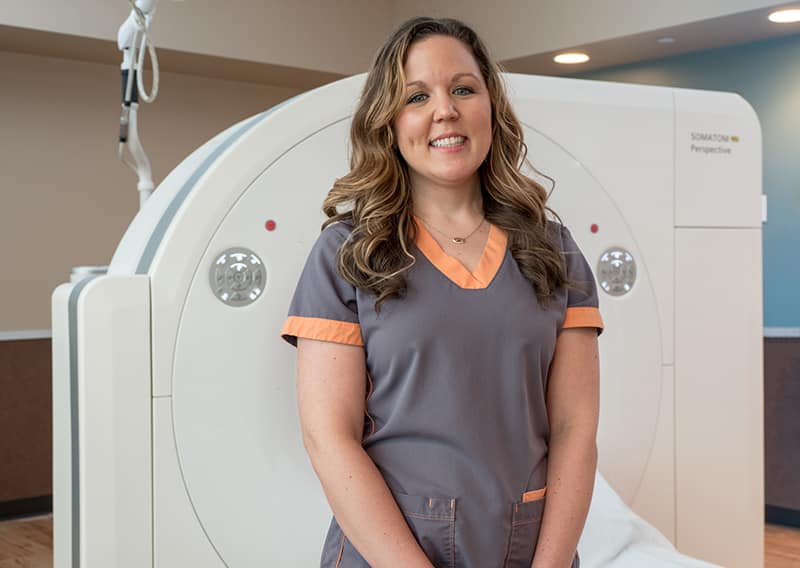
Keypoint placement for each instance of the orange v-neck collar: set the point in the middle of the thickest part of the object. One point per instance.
(494, 252)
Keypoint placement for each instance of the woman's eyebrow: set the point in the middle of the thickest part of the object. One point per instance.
(456, 77)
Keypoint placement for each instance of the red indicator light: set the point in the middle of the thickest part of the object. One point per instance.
(595, 228)
(270, 225)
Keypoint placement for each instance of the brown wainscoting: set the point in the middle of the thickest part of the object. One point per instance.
(782, 429)
(26, 442)
(30, 506)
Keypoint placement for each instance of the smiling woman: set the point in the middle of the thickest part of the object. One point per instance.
(445, 128)
(446, 329)
(401, 112)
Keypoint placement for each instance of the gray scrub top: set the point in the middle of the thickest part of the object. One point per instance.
(455, 416)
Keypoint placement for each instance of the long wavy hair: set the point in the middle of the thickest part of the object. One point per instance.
(375, 196)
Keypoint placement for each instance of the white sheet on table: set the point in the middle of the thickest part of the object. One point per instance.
(616, 536)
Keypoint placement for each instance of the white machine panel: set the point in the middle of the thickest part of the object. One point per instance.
(104, 390)
(719, 390)
(62, 429)
(655, 500)
(178, 536)
(716, 137)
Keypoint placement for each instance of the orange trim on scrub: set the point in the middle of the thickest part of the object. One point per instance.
(323, 330)
(535, 495)
(492, 257)
(366, 406)
(341, 551)
(582, 317)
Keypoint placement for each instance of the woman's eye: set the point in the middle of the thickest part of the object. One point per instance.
(462, 91)
(419, 97)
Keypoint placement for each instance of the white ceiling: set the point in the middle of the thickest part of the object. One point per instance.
(733, 29)
(516, 29)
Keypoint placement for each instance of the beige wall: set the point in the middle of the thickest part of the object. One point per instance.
(338, 37)
(65, 198)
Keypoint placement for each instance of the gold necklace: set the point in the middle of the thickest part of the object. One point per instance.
(456, 240)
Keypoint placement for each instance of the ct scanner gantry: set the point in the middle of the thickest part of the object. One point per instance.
(176, 439)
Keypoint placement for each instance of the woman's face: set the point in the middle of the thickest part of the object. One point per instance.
(445, 126)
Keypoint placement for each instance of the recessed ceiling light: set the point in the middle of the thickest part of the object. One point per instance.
(785, 16)
(570, 58)
(666, 40)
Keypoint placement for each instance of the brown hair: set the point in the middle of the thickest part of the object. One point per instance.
(375, 196)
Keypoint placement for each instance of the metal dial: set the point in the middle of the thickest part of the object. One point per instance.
(238, 277)
(616, 271)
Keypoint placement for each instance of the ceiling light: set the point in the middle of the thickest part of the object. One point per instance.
(571, 58)
(785, 16)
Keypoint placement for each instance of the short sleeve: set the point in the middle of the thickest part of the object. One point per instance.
(582, 302)
(324, 304)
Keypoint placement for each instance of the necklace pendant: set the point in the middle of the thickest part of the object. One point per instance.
(459, 240)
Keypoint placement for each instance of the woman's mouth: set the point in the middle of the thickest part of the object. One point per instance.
(449, 142)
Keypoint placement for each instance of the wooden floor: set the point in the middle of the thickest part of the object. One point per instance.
(781, 547)
(28, 543)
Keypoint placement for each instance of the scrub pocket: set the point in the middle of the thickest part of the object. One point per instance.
(526, 518)
(431, 520)
(337, 552)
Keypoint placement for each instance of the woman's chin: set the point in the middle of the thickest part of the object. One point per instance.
(446, 176)
(457, 178)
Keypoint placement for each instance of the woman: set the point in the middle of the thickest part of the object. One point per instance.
(446, 329)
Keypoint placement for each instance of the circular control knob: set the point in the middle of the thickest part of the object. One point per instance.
(616, 271)
(238, 277)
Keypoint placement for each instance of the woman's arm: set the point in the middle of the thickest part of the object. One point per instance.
(331, 387)
(573, 408)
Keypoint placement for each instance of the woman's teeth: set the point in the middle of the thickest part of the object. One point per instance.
(448, 142)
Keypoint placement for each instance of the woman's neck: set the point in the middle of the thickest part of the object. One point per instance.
(448, 205)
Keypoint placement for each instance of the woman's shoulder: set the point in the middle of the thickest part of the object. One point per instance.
(555, 232)
(337, 232)
(561, 237)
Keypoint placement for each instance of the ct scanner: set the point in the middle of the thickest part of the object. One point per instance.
(176, 439)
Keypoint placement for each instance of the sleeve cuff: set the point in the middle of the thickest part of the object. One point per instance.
(321, 330)
(583, 317)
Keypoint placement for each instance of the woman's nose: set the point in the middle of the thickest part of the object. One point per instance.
(445, 109)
